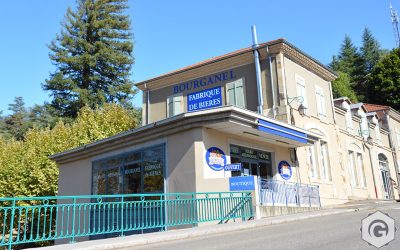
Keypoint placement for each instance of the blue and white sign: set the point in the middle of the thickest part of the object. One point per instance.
(233, 167)
(285, 170)
(205, 99)
(241, 183)
(215, 158)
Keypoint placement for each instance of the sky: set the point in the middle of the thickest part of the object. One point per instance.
(172, 34)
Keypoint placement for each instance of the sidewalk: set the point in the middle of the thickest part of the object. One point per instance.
(143, 239)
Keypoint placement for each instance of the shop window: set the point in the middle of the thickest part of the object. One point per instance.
(254, 162)
(301, 90)
(326, 170)
(135, 172)
(235, 93)
(320, 101)
(174, 105)
(153, 170)
(132, 178)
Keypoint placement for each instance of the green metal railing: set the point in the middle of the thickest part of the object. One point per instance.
(25, 220)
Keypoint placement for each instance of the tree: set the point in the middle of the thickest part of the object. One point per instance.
(370, 51)
(25, 167)
(348, 61)
(383, 83)
(16, 124)
(341, 86)
(42, 116)
(93, 58)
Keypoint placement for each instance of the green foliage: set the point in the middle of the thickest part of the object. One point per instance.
(348, 61)
(15, 125)
(357, 64)
(384, 81)
(26, 170)
(370, 51)
(93, 58)
(342, 87)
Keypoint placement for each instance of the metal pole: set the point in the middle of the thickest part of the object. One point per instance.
(258, 70)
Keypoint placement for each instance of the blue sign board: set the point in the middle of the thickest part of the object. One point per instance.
(285, 170)
(205, 99)
(215, 158)
(241, 183)
(233, 167)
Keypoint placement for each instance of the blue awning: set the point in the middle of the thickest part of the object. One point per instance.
(282, 131)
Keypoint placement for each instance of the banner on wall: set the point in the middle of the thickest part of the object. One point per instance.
(233, 167)
(241, 183)
(215, 158)
(285, 170)
(205, 99)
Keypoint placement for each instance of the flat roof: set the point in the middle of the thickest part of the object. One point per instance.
(177, 124)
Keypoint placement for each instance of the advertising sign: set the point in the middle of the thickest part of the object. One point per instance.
(241, 183)
(233, 167)
(205, 99)
(285, 170)
(215, 158)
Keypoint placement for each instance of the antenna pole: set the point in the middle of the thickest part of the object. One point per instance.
(395, 24)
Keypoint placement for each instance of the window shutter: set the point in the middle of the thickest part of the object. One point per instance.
(239, 93)
(231, 93)
(177, 105)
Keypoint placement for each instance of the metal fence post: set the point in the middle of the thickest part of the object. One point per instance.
(243, 218)
(10, 237)
(73, 220)
(220, 207)
(309, 195)
(285, 189)
(122, 215)
(272, 193)
(319, 197)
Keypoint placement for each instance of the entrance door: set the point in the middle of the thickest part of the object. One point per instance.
(387, 186)
(249, 168)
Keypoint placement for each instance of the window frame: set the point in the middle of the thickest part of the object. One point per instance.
(320, 102)
(180, 95)
(227, 99)
(301, 85)
(105, 167)
(326, 172)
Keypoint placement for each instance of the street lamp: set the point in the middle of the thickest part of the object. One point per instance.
(301, 108)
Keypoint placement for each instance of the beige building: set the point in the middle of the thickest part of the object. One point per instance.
(268, 107)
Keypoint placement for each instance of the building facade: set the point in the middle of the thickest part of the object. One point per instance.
(268, 107)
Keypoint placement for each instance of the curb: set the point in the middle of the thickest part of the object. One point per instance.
(180, 234)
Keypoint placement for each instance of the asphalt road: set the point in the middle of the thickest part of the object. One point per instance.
(341, 231)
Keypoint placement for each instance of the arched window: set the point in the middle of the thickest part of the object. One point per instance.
(383, 161)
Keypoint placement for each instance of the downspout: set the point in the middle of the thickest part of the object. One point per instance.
(147, 104)
(272, 85)
(372, 169)
(258, 70)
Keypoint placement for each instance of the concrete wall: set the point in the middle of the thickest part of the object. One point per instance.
(181, 151)
(158, 97)
(312, 81)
